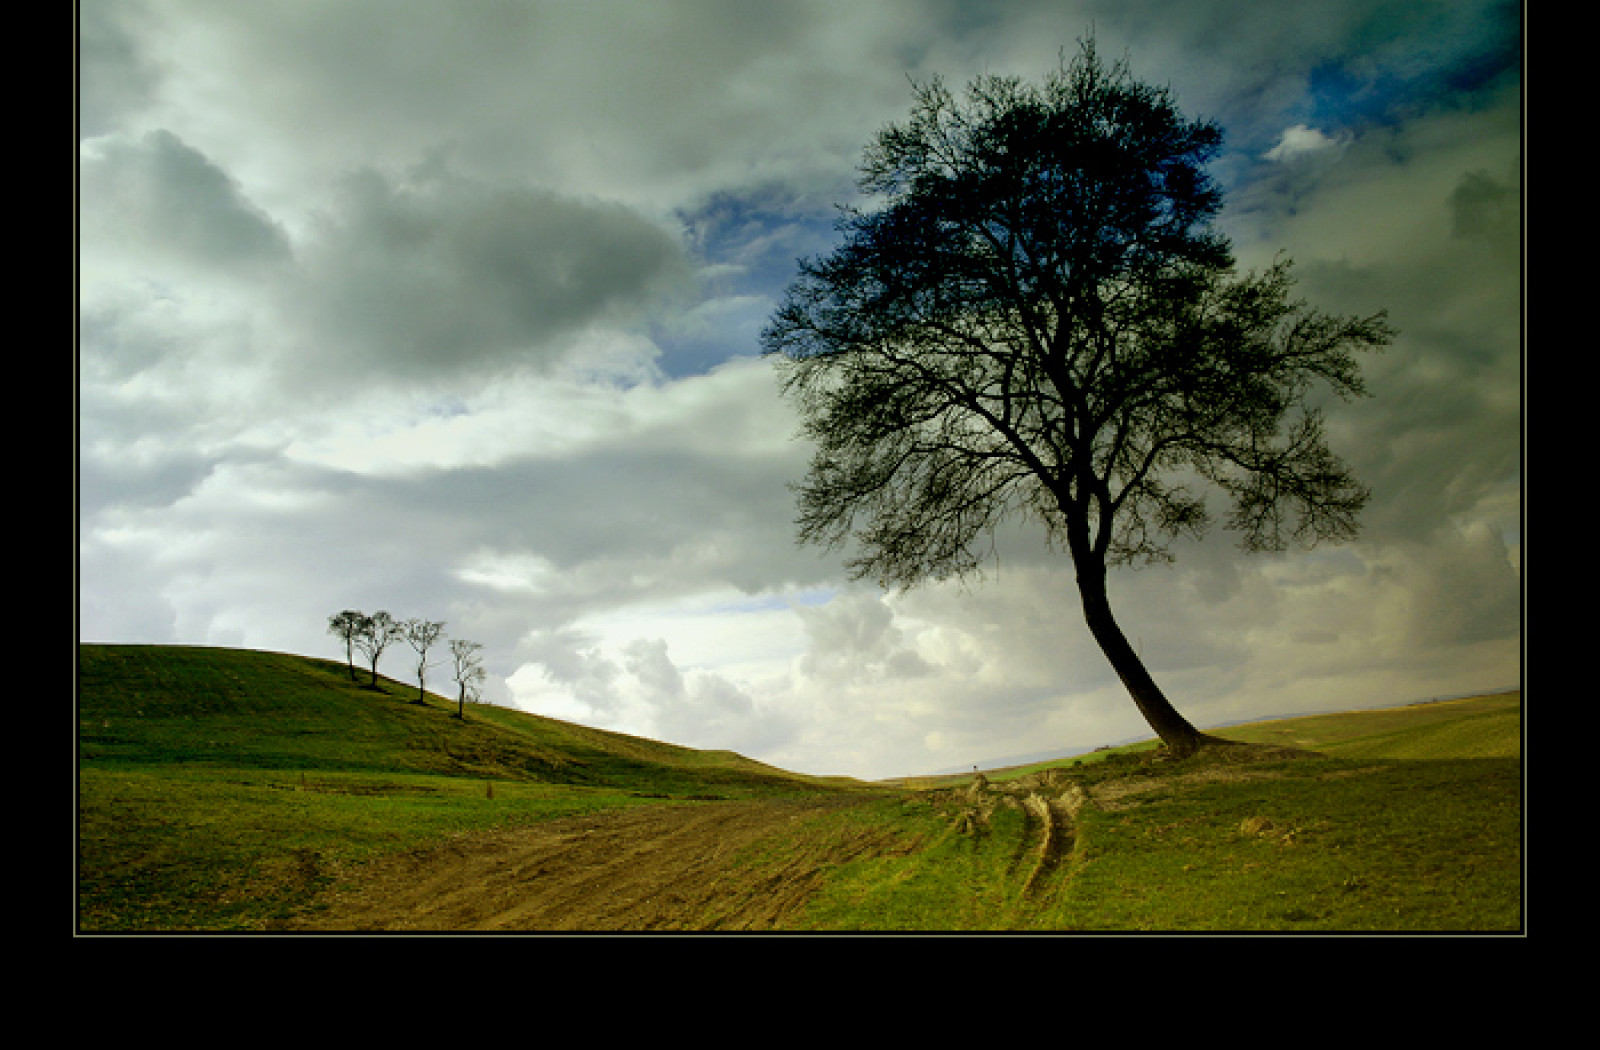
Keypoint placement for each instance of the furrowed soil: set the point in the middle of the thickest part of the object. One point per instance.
(699, 866)
(725, 865)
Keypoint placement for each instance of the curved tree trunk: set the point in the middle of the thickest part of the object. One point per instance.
(1174, 730)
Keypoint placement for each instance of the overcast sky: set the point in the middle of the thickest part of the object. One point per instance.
(450, 309)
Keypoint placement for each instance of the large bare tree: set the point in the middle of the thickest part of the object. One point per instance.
(1036, 315)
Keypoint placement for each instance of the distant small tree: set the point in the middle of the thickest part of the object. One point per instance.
(468, 670)
(376, 634)
(346, 626)
(420, 635)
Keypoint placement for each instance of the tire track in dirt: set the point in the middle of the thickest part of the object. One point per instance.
(651, 867)
(1049, 806)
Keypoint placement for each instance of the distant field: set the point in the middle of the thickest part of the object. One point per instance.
(1472, 727)
(1487, 726)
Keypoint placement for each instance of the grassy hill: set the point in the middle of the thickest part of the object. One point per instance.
(1488, 726)
(1469, 727)
(224, 789)
(216, 786)
(176, 706)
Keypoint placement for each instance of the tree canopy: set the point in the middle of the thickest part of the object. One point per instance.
(1036, 315)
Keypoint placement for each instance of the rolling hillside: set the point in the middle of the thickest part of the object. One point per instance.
(198, 707)
(222, 788)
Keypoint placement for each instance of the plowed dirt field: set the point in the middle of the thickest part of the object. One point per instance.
(729, 865)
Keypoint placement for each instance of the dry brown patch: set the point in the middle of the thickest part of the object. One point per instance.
(656, 867)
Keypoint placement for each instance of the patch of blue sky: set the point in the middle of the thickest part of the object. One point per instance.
(1414, 58)
(751, 238)
(1404, 62)
(777, 601)
(746, 245)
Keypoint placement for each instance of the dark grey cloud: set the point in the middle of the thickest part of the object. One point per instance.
(157, 200)
(1487, 209)
(415, 278)
(115, 76)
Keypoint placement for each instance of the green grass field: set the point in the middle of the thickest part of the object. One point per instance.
(220, 789)
(1317, 845)
(1406, 820)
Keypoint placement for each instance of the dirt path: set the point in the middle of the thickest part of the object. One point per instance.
(728, 865)
(654, 867)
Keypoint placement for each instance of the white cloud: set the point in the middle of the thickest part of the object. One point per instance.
(1301, 141)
